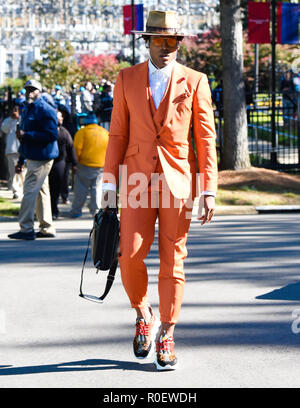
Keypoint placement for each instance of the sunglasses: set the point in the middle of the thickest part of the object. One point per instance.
(171, 42)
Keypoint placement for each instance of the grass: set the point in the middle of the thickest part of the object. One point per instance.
(8, 209)
(249, 195)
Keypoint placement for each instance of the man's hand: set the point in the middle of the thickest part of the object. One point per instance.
(109, 199)
(20, 134)
(19, 168)
(209, 208)
(74, 169)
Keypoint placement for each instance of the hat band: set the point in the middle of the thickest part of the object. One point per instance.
(150, 28)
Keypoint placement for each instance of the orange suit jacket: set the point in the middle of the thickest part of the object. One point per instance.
(135, 142)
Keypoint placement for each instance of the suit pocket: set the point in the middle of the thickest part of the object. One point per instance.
(131, 150)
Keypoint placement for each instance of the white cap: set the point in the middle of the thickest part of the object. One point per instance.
(32, 83)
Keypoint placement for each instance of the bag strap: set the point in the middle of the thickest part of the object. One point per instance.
(110, 278)
(84, 260)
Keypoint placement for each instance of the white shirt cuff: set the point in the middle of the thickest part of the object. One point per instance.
(109, 186)
(212, 193)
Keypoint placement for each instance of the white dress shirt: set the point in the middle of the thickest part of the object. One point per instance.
(158, 80)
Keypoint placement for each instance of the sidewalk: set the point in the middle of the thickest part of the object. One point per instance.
(238, 325)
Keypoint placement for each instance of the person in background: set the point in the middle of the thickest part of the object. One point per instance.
(48, 98)
(69, 126)
(106, 105)
(57, 173)
(217, 97)
(9, 128)
(38, 146)
(287, 87)
(58, 96)
(21, 100)
(86, 98)
(90, 143)
(296, 80)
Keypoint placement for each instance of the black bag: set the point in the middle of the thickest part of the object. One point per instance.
(105, 236)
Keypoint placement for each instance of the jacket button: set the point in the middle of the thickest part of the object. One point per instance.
(154, 157)
(157, 137)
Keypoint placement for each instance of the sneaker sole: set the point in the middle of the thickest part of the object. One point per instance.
(45, 236)
(154, 332)
(167, 367)
(23, 239)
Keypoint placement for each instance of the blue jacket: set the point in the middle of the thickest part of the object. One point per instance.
(39, 122)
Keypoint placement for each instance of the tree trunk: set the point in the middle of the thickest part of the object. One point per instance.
(235, 154)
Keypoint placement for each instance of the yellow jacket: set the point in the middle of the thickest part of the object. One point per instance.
(90, 143)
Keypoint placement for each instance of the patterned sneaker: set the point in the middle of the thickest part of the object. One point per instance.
(165, 355)
(143, 342)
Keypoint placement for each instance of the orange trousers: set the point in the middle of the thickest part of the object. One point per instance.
(137, 235)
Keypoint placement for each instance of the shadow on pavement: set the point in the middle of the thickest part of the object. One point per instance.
(288, 292)
(83, 365)
(238, 334)
(259, 332)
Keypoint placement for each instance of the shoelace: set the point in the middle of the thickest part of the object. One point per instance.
(166, 344)
(142, 329)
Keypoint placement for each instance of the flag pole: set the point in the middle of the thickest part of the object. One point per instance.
(256, 72)
(273, 128)
(133, 28)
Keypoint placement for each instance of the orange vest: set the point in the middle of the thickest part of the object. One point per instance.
(158, 116)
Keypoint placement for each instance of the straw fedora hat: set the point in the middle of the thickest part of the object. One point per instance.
(161, 23)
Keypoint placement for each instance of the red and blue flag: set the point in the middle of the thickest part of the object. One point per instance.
(258, 22)
(287, 23)
(138, 18)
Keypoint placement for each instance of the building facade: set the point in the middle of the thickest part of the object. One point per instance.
(92, 26)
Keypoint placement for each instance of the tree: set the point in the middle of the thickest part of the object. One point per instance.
(203, 53)
(111, 72)
(285, 56)
(16, 84)
(57, 66)
(235, 142)
(97, 67)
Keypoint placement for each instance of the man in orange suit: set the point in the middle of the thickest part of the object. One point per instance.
(156, 103)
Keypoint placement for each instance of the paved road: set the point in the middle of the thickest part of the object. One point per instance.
(236, 327)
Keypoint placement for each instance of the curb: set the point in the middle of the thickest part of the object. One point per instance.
(272, 209)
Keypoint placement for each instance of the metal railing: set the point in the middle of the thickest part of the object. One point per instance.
(277, 146)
